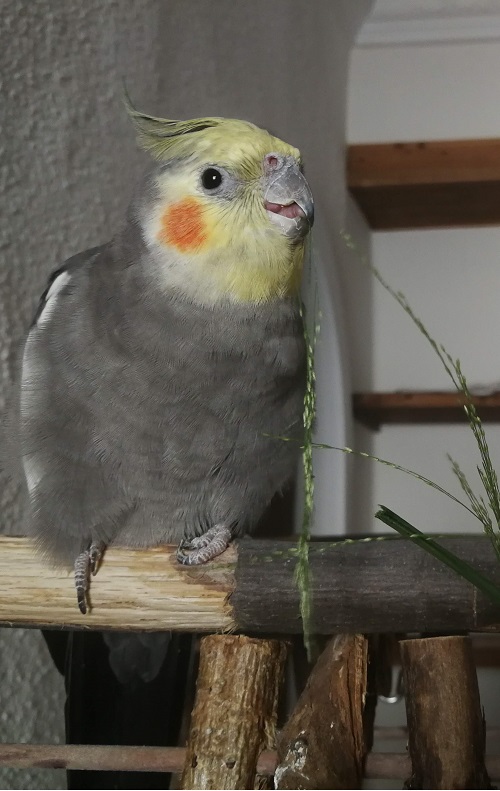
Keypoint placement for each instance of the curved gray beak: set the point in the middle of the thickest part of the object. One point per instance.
(287, 197)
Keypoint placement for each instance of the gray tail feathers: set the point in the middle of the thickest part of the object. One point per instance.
(135, 656)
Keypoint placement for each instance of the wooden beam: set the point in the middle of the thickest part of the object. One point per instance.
(375, 409)
(252, 588)
(426, 184)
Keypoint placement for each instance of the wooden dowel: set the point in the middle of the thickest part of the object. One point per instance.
(446, 736)
(379, 766)
(165, 759)
(107, 758)
(322, 744)
(235, 711)
(252, 588)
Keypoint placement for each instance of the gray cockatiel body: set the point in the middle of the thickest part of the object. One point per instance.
(162, 368)
(145, 417)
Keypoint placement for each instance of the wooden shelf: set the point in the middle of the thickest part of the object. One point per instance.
(375, 409)
(426, 185)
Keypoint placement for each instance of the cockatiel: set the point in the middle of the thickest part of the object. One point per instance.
(162, 368)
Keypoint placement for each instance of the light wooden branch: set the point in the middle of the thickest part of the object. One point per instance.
(133, 589)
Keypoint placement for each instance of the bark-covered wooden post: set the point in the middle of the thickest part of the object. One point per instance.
(446, 731)
(235, 711)
(322, 745)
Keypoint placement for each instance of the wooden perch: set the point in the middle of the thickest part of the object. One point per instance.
(235, 712)
(322, 745)
(133, 589)
(381, 586)
(446, 731)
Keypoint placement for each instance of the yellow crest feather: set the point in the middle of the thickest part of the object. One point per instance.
(165, 138)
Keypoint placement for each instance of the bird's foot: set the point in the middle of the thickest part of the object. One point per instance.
(87, 563)
(96, 552)
(195, 551)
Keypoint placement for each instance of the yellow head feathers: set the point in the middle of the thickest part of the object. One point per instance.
(228, 141)
(229, 211)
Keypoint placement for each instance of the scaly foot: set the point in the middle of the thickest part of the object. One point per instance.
(203, 548)
(87, 563)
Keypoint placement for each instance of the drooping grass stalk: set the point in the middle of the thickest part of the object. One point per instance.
(479, 507)
(364, 455)
(302, 569)
(394, 466)
(452, 367)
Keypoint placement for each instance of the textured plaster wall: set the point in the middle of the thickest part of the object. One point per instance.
(68, 163)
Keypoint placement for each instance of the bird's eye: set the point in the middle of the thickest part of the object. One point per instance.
(211, 178)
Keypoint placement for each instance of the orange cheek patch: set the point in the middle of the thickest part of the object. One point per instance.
(182, 225)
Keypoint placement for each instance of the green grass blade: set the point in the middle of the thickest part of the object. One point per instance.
(459, 566)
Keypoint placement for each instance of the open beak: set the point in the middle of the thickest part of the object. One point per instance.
(288, 199)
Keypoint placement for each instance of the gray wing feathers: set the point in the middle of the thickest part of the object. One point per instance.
(146, 418)
(72, 497)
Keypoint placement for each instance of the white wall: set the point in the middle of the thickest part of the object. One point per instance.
(451, 277)
(69, 161)
(424, 92)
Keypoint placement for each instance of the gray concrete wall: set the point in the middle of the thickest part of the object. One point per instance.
(68, 163)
